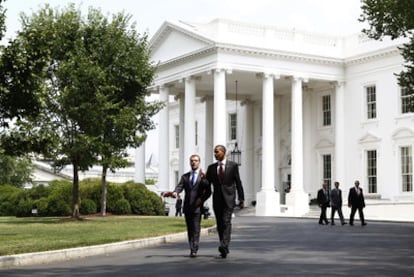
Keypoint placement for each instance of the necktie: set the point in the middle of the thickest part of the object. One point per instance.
(221, 171)
(193, 179)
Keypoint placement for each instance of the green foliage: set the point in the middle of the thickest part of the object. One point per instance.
(2, 19)
(87, 206)
(122, 206)
(393, 18)
(76, 87)
(15, 171)
(143, 201)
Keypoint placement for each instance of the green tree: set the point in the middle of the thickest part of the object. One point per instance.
(15, 171)
(393, 18)
(91, 80)
(2, 19)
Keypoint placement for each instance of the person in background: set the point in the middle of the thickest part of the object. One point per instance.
(356, 202)
(336, 203)
(178, 206)
(225, 178)
(323, 202)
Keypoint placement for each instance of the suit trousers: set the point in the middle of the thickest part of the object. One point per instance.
(193, 220)
(322, 217)
(353, 211)
(339, 209)
(223, 218)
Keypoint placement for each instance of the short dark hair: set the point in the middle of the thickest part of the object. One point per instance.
(222, 147)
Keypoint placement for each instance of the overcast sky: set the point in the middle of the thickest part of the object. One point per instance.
(335, 17)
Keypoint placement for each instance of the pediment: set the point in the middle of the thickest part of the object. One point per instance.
(172, 41)
(369, 138)
(324, 143)
(403, 133)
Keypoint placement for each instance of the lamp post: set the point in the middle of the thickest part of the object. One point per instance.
(235, 154)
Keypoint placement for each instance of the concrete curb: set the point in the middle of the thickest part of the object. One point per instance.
(81, 252)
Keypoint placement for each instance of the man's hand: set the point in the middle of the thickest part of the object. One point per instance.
(241, 204)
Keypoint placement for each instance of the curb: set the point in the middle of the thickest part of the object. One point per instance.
(81, 252)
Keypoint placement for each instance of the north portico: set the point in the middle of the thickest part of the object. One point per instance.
(290, 117)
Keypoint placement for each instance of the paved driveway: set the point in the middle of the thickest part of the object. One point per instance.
(261, 246)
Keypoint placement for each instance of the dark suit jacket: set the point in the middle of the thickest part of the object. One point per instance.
(336, 197)
(201, 190)
(356, 200)
(323, 200)
(225, 190)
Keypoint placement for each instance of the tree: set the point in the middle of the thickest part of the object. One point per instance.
(91, 79)
(394, 18)
(15, 171)
(2, 19)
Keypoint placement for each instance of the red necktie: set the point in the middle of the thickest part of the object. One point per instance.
(221, 171)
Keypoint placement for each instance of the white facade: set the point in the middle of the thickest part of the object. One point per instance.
(310, 108)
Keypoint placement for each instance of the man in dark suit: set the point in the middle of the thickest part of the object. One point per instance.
(225, 178)
(197, 190)
(336, 203)
(323, 202)
(356, 201)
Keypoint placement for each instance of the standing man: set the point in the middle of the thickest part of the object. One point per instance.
(224, 175)
(323, 201)
(336, 203)
(178, 206)
(197, 190)
(356, 201)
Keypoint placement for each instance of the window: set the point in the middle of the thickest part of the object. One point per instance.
(371, 96)
(407, 101)
(327, 169)
(407, 168)
(326, 110)
(177, 136)
(372, 171)
(233, 126)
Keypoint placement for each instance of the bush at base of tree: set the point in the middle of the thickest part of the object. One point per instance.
(55, 199)
(87, 206)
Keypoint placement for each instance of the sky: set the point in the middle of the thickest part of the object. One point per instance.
(331, 17)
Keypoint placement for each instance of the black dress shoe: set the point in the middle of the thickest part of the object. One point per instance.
(193, 254)
(223, 251)
(363, 223)
(343, 223)
(332, 223)
(321, 223)
(352, 224)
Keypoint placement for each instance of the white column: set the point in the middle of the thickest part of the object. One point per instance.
(208, 155)
(220, 118)
(268, 200)
(340, 133)
(139, 174)
(163, 139)
(246, 146)
(183, 163)
(297, 200)
(189, 118)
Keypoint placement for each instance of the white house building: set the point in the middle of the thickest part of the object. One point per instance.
(304, 108)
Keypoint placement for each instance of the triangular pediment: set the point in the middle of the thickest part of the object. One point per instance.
(369, 138)
(403, 133)
(172, 41)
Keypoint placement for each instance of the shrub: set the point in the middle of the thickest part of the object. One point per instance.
(143, 201)
(122, 206)
(56, 206)
(24, 208)
(114, 193)
(87, 206)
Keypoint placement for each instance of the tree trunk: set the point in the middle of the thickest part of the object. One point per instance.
(104, 191)
(75, 192)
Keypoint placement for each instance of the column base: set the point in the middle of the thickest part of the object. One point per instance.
(267, 203)
(297, 203)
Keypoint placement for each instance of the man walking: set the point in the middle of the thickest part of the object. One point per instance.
(197, 190)
(356, 202)
(224, 175)
(336, 203)
(323, 201)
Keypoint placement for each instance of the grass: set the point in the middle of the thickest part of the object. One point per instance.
(34, 234)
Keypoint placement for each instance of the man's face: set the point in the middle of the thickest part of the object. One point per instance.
(194, 162)
(357, 184)
(337, 185)
(219, 153)
(325, 186)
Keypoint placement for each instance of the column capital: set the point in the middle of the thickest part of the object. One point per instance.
(220, 69)
(206, 98)
(265, 75)
(302, 78)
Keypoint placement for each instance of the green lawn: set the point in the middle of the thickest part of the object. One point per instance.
(33, 234)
